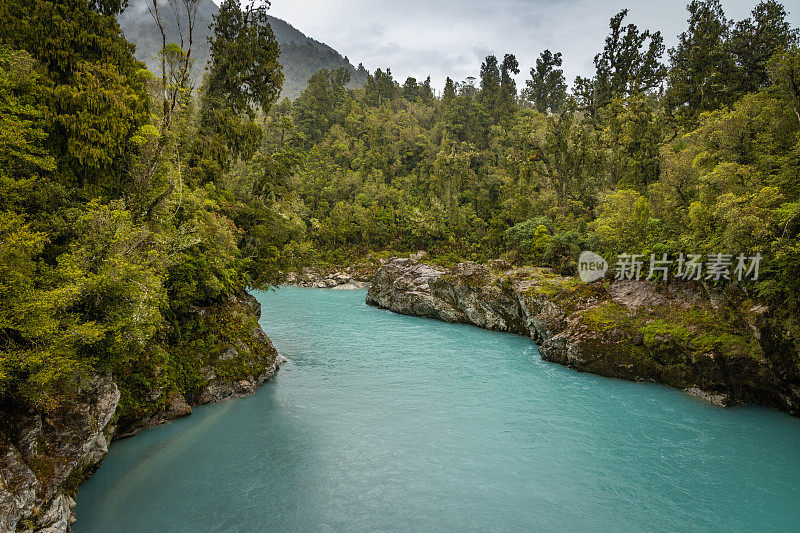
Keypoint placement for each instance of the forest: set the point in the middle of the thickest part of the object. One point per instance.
(692, 150)
(130, 197)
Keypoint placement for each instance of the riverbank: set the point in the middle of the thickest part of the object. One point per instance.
(355, 276)
(719, 345)
(45, 457)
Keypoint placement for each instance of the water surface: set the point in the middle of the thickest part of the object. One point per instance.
(381, 422)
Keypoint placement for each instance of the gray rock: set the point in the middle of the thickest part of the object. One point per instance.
(601, 328)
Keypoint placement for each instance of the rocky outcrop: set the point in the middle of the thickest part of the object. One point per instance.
(356, 276)
(45, 457)
(718, 345)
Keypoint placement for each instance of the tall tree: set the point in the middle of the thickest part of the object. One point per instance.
(630, 61)
(507, 103)
(702, 73)
(490, 84)
(547, 89)
(756, 39)
(380, 88)
(449, 92)
(426, 91)
(245, 73)
(411, 89)
(244, 78)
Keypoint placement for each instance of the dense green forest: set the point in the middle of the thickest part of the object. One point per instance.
(130, 197)
(692, 150)
(118, 216)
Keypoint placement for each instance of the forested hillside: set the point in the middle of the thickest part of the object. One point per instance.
(300, 56)
(688, 151)
(120, 217)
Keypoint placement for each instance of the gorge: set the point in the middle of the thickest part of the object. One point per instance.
(391, 422)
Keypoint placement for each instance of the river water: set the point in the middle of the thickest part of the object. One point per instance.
(382, 422)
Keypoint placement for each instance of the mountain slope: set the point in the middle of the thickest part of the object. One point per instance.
(301, 56)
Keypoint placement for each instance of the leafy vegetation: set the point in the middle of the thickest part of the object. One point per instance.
(121, 209)
(693, 151)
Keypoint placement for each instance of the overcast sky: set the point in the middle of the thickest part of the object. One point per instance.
(451, 37)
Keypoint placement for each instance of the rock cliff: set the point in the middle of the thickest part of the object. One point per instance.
(720, 345)
(45, 456)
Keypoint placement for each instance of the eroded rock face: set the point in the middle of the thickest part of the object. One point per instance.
(41, 456)
(719, 346)
(44, 457)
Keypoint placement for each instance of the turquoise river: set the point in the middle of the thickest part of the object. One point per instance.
(382, 422)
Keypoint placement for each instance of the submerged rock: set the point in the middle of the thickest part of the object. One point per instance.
(715, 345)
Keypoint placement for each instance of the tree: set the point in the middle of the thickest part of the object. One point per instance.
(784, 70)
(546, 89)
(625, 224)
(411, 90)
(245, 74)
(585, 95)
(323, 104)
(630, 61)
(23, 126)
(755, 40)
(702, 71)
(380, 88)
(566, 154)
(449, 92)
(507, 103)
(426, 91)
(633, 131)
(92, 88)
(490, 85)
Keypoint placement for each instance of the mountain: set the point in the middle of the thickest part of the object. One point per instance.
(301, 56)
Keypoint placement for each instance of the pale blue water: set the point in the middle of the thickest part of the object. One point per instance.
(382, 422)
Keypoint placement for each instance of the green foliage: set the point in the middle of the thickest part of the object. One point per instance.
(90, 86)
(245, 73)
(629, 63)
(115, 222)
(546, 89)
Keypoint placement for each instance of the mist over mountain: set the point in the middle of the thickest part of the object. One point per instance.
(301, 56)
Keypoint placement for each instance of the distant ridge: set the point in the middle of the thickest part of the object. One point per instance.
(301, 56)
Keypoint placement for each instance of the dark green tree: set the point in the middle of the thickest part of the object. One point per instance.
(245, 74)
(380, 88)
(703, 69)
(426, 91)
(449, 92)
(411, 90)
(490, 85)
(94, 96)
(629, 62)
(756, 39)
(546, 89)
(507, 103)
